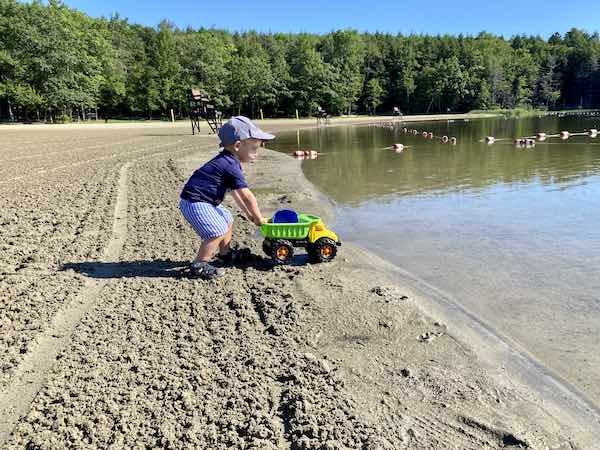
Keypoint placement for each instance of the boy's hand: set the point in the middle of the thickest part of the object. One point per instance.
(258, 221)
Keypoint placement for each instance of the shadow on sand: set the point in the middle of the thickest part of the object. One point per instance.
(160, 268)
(129, 269)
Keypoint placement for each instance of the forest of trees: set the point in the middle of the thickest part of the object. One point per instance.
(57, 63)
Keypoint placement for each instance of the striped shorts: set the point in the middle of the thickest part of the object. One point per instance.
(208, 221)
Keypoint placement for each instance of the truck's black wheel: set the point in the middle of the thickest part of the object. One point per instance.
(323, 250)
(282, 251)
(266, 246)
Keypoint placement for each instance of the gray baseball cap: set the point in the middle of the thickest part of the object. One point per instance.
(239, 128)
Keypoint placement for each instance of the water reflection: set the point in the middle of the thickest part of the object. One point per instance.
(511, 233)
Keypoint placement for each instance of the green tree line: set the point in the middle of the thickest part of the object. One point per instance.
(57, 63)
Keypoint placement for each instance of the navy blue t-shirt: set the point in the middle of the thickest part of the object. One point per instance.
(210, 182)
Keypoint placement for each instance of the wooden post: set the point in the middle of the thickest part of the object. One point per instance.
(172, 116)
(262, 117)
(297, 116)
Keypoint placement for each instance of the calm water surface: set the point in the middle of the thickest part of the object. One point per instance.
(512, 234)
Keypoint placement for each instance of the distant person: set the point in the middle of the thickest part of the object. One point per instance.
(201, 198)
(397, 111)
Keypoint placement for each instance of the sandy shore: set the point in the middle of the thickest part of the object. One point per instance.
(274, 124)
(105, 346)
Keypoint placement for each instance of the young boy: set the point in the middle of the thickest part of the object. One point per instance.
(201, 198)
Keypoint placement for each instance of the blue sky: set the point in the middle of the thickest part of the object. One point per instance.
(506, 17)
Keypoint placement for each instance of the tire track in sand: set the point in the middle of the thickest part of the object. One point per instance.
(16, 399)
(43, 171)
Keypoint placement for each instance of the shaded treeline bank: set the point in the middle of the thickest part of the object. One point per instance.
(57, 63)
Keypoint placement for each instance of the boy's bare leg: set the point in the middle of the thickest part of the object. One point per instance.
(226, 241)
(208, 249)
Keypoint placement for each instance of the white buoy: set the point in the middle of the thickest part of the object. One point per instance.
(415, 132)
(565, 135)
(524, 142)
(445, 139)
(490, 139)
(593, 133)
(453, 140)
(398, 147)
(541, 137)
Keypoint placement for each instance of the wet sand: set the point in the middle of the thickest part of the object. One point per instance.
(105, 346)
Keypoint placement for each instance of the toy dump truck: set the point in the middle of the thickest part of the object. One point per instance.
(288, 229)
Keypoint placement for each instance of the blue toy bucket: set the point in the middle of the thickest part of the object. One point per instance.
(285, 216)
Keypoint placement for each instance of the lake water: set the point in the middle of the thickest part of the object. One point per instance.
(512, 234)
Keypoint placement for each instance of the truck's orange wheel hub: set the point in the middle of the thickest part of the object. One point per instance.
(327, 251)
(282, 252)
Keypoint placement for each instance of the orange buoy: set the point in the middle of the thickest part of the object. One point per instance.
(306, 154)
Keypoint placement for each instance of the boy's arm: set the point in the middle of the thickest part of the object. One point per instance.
(248, 204)
(238, 200)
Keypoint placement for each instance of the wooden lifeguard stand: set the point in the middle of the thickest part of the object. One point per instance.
(201, 108)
